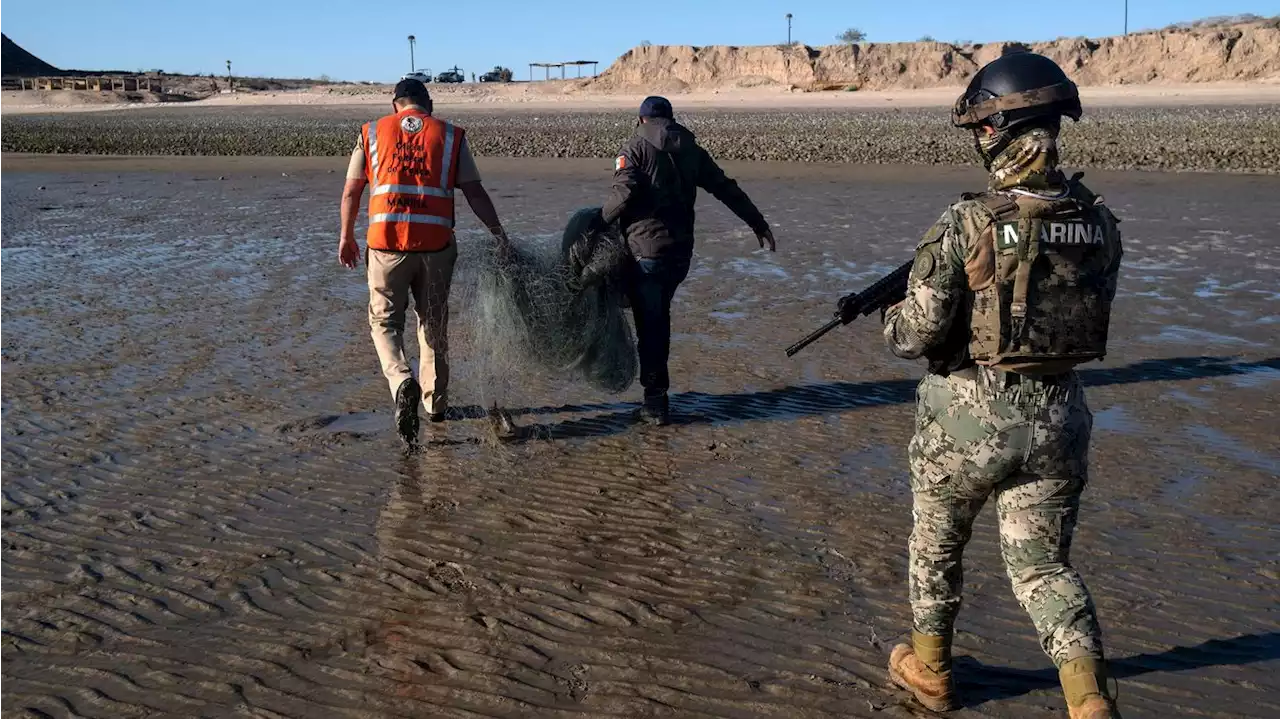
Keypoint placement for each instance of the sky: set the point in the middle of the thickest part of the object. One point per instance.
(359, 41)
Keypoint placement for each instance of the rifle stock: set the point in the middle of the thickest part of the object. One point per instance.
(884, 293)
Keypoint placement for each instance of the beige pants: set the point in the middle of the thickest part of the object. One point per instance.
(426, 276)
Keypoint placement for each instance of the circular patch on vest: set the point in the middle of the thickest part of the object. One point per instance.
(411, 123)
(924, 265)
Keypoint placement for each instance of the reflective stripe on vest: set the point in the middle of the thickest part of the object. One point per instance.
(445, 177)
(406, 217)
(373, 148)
(412, 162)
(412, 190)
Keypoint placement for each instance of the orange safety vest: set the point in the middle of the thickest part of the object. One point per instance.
(411, 161)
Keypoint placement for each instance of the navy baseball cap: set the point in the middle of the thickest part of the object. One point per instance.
(412, 89)
(655, 106)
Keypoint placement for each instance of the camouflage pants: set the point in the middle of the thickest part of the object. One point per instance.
(1027, 442)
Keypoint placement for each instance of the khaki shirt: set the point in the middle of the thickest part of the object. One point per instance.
(467, 170)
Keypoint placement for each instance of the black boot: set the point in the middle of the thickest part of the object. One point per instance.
(656, 410)
(407, 398)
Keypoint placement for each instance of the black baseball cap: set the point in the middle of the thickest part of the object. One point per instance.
(411, 88)
(654, 106)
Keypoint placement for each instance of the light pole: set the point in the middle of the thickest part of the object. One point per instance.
(1126, 17)
(788, 28)
(412, 65)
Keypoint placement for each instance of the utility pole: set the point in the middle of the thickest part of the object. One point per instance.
(412, 67)
(788, 28)
(1126, 17)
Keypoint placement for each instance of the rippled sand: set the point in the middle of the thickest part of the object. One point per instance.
(205, 513)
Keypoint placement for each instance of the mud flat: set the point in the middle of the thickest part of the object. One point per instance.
(204, 513)
(1238, 138)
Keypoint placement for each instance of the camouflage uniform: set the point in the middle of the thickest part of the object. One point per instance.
(983, 431)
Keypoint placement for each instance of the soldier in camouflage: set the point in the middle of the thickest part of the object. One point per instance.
(1008, 291)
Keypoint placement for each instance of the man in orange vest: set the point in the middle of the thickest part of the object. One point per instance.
(413, 162)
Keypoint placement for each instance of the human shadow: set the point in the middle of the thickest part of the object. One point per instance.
(787, 403)
(981, 683)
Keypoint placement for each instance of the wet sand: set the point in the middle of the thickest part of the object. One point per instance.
(205, 513)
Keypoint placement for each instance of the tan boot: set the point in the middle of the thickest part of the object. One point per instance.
(924, 669)
(1084, 684)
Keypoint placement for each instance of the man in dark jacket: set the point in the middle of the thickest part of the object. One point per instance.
(655, 184)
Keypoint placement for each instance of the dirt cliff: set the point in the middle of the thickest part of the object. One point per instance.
(1243, 52)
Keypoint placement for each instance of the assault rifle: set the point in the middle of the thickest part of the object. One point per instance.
(886, 292)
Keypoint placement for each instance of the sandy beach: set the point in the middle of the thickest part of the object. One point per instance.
(572, 96)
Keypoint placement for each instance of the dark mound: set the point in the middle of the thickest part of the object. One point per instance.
(15, 61)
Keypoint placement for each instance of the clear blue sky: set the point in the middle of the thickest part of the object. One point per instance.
(366, 40)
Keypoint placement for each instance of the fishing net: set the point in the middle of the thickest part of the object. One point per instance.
(559, 308)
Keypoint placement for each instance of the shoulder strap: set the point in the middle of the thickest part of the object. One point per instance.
(998, 204)
(1002, 206)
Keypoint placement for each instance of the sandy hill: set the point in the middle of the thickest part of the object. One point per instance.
(1248, 51)
(15, 61)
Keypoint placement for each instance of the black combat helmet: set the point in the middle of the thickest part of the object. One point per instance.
(1014, 94)
(1014, 90)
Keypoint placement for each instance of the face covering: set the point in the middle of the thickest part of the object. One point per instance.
(987, 146)
(1029, 161)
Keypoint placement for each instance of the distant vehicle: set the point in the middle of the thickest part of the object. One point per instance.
(454, 75)
(420, 76)
(497, 74)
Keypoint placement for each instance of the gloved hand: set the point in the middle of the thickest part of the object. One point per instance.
(764, 235)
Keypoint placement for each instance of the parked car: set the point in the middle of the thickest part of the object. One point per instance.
(420, 76)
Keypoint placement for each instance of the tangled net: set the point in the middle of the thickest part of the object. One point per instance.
(561, 309)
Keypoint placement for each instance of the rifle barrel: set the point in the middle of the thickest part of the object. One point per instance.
(813, 337)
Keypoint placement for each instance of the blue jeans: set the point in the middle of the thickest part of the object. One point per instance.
(653, 283)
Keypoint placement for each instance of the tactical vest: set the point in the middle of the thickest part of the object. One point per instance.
(1043, 276)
